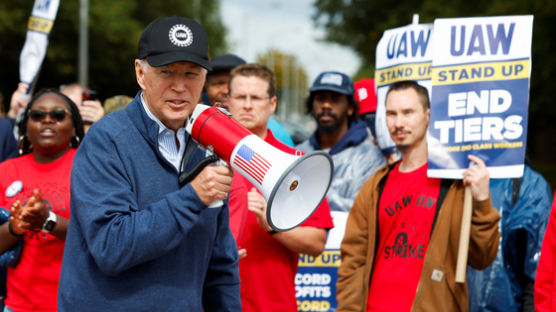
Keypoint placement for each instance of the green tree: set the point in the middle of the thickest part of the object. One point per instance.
(291, 81)
(114, 30)
(359, 24)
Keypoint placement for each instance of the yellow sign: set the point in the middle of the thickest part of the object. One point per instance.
(329, 258)
(416, 71)
(479, 72)
(40, 24)
(313, 305)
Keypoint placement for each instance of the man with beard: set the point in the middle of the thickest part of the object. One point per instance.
(400, 201)
(340, 133)
(350, 144)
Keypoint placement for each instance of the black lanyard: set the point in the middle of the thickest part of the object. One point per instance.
(184, 176)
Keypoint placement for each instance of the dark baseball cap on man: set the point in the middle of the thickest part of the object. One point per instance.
(174, 39)
(333, 81)
(226, 62)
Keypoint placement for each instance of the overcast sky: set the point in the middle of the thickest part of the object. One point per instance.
(255, 26)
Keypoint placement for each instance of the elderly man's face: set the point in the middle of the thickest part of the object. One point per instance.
(171, 91)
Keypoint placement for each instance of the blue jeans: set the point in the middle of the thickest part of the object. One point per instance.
(6, 309)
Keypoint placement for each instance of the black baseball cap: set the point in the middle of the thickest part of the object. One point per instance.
(333, 81)
(174, 39)
(225, 62)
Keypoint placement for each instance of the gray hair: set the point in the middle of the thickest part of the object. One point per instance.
(144, 63)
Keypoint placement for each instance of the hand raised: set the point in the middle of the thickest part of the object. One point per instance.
(19, 100)
(477, 177)
(91, 111)
(257, 204)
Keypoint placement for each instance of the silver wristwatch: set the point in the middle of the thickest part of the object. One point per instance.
(50, 222)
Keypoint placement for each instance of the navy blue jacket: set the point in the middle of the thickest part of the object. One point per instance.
(8, 144)
(136, 240)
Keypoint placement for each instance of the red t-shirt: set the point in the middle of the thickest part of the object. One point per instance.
(268, 272)
(238, 205)
(406, 213)
(33, 284)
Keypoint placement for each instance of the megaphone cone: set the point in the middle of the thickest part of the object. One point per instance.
(293, 185)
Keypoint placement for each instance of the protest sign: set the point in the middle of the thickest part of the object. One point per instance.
(480, 94)
(315, 281)
(36, 41)
(476, 71)
(402, 54)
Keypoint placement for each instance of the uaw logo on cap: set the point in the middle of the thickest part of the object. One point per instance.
(181, 35)
(333, 79)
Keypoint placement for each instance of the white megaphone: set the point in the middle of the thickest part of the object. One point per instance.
(293, 185)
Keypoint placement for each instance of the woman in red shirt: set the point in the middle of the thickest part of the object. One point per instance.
(36, 189)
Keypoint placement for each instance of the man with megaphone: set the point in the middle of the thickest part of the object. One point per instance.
(269, 259)
(139, 240)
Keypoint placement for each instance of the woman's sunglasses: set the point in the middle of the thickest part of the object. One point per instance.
(56, 115)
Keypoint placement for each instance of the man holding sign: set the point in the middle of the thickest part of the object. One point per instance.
(404, 227)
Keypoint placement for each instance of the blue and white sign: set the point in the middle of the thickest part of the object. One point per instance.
(480, 94)
(315, 281)
(36, 41)
(403, 53)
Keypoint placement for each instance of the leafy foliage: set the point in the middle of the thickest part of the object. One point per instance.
(291, 80)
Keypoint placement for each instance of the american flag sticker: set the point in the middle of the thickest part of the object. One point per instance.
(252, 163)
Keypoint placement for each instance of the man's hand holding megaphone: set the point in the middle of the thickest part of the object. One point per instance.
(213, 183)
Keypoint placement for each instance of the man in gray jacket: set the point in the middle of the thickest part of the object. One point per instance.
(340, 133)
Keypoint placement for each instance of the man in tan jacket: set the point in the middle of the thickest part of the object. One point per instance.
(399, 252)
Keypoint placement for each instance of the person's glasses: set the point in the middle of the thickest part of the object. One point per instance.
(55, 115)
(247, 97)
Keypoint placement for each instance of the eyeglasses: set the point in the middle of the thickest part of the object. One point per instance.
(57, 115)
(247, 97)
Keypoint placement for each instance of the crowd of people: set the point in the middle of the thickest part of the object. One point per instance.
(95, 215)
